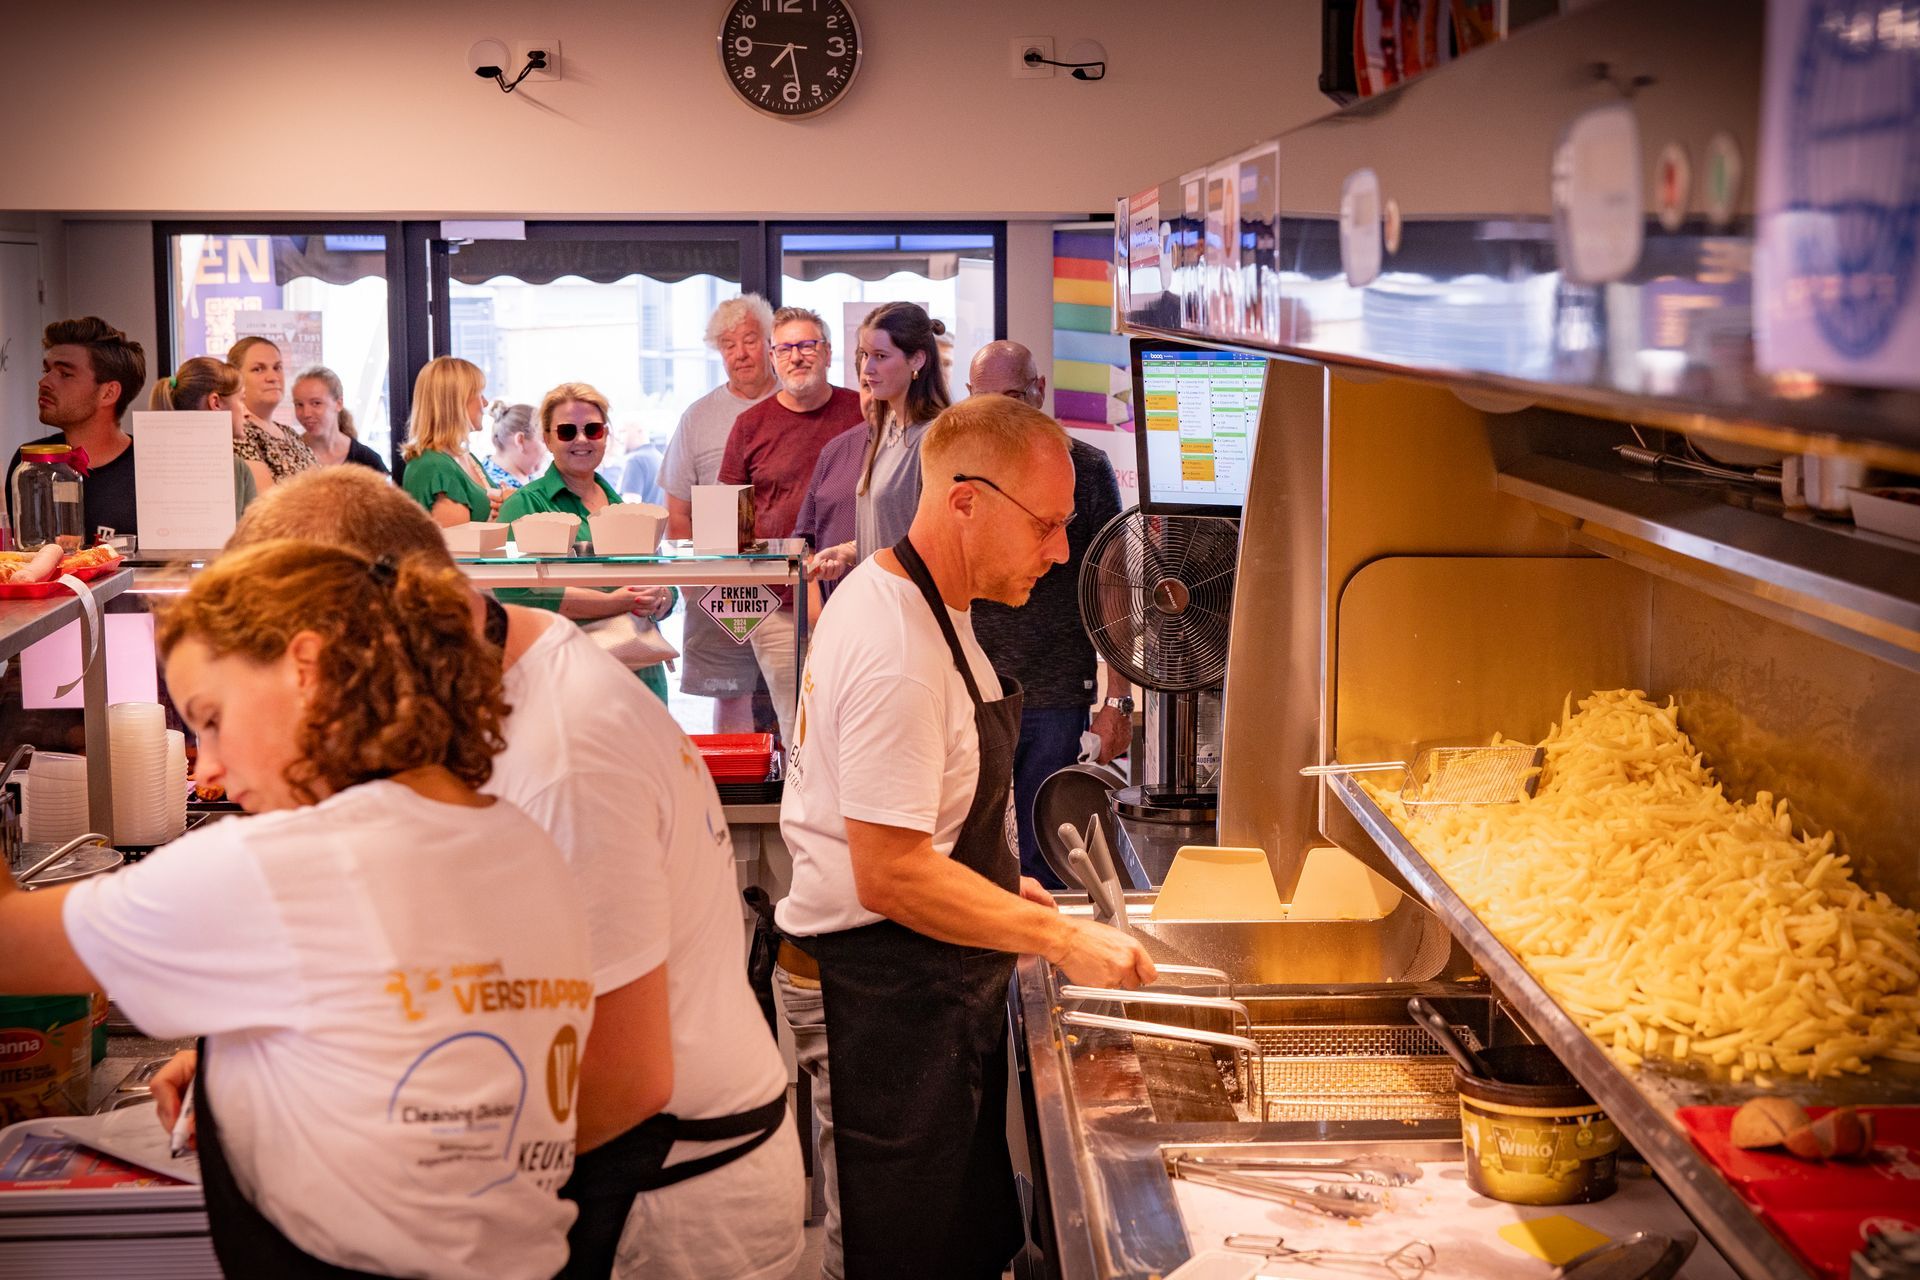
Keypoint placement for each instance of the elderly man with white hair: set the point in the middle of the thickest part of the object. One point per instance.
(714, 665)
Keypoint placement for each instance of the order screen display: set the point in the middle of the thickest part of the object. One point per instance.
(1198, 414)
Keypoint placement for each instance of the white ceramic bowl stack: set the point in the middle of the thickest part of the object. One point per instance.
(142, 814)
(54, 797)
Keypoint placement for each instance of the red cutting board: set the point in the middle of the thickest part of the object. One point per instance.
(1820, 1207)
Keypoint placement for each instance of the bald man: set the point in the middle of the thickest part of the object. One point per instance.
(1043, 643)
(907, 899)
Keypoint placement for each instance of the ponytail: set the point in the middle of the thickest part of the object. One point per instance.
(194, 382)
(405, 680)
(331, 380)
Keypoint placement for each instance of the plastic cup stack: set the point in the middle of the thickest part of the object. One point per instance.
(176, 784)
(54, 797)
(142, 814)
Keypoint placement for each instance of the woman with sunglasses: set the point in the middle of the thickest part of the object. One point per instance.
(573, 425)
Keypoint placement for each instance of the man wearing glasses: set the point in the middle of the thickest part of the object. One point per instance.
(773, 447)
(1043, 643)
(907, 905)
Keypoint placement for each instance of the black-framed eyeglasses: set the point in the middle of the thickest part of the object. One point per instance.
(564, 432)
(788, 350)
(1047, 527)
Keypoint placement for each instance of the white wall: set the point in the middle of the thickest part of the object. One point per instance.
(356, 107)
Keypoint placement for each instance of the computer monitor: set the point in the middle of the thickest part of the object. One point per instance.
(1196, 411)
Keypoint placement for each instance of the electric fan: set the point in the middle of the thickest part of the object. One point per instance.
(1156, 596)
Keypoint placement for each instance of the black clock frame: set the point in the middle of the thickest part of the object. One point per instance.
(737, 7)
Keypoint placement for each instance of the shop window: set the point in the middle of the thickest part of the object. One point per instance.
(323, 297)
(956, 272)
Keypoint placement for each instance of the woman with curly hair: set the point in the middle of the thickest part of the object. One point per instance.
(390, 969)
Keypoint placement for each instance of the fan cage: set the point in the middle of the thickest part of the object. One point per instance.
(1156, 596)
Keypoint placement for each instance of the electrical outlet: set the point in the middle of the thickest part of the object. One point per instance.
(1021, 46)
(517, 55)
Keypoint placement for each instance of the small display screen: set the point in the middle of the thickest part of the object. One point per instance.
(1196, 411)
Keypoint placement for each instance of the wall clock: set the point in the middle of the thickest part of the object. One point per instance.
(790, 58)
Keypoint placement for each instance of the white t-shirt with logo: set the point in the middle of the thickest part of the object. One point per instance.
(395, 994)
(597, 760)
(884, 734)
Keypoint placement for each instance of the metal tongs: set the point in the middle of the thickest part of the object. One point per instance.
(1379, 1171)
(1409, 1260)
(71, 846)
(1333, 1199)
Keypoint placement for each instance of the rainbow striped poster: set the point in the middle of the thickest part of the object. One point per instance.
(1092, 388)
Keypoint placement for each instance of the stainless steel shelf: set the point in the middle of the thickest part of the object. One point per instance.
(1828, 578)
(24, 622)
(1641, 1101)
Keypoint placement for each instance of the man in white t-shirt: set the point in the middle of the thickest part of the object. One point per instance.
(598, 763)
(907, 898)
(713, 664)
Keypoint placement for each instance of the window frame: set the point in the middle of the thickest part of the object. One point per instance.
(399, 322)
(776, 231)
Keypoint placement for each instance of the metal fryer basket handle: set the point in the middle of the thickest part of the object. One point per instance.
(1255, 1089)
(1171, 999)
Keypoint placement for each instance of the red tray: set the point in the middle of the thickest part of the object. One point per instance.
(736, 757)
(47, 590)
(1819, 1208)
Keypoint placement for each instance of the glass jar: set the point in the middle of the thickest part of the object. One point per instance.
(48, 499)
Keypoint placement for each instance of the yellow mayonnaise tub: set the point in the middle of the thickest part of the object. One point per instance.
(1533, 1135)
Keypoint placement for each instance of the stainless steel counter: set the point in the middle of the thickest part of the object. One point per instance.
(1103, 1204)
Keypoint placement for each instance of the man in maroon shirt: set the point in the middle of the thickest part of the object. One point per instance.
(774, 447)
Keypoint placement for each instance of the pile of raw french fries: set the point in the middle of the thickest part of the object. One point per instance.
(1673, 921)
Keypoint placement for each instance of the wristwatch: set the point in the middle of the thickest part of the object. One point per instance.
(1123, 704)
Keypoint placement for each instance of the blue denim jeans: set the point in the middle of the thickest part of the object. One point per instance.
(1049, 742)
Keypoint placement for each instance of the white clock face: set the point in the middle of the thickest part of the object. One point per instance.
(790, 57)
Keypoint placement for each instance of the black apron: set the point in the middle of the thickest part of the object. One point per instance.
(605, 1180)
(244, 1242)
(917, 1049)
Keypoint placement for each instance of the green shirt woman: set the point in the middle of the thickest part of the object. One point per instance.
(441, 472)
(573, 425)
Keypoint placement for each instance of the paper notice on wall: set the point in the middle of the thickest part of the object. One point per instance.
(183, 479)
(297, 334)
(57, 662)
(1839, 193)
(1120, 448)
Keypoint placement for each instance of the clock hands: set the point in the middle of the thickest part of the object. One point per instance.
(793, 65)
